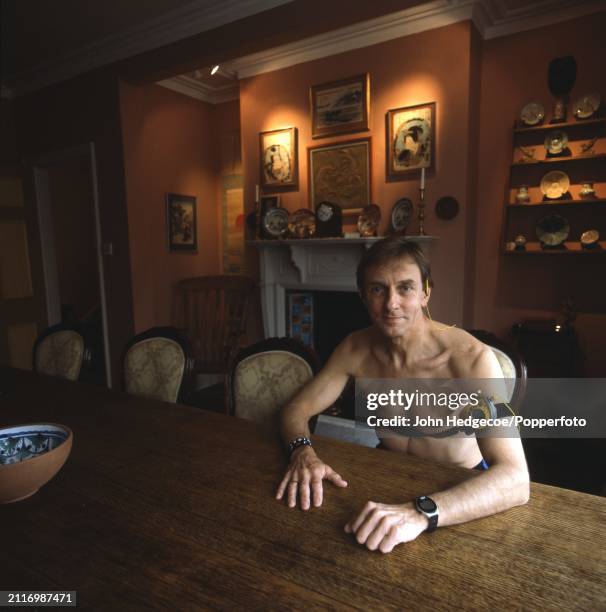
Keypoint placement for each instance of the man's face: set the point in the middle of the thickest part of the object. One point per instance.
(394, 296)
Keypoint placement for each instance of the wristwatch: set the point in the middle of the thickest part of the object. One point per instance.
(425, 505)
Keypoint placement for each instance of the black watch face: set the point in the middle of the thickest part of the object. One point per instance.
(427, 505)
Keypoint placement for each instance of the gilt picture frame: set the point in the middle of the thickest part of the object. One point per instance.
(340, 173)
(278, 155)
(410, 139)
(340, 107)
(181, 222)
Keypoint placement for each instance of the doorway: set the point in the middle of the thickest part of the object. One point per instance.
(70, 234)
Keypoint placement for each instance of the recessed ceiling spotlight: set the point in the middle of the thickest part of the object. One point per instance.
(214, 69)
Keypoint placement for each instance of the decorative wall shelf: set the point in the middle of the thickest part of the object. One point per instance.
(560, 126)
(581, 214)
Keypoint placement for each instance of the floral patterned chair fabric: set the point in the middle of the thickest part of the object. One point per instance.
(59, 353)
(265, 382)
(154, 368)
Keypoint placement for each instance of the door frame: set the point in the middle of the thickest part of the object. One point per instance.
(40, 167)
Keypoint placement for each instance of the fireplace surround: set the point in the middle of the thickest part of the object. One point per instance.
(313, 264)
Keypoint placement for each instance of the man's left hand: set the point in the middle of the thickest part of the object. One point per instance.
(383, 526)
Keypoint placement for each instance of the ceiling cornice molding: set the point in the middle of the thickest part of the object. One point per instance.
(414, 20)
(195, 17)
(194, 89)
(494, 19)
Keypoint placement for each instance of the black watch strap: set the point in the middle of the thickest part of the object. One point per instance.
(425, 505)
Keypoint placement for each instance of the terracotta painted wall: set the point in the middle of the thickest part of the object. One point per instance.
(170, 145)
(433, 66)
(509, 289)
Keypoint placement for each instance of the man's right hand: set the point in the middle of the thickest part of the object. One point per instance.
(306, 472)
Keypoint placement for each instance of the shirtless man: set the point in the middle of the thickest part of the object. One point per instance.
(394, 281)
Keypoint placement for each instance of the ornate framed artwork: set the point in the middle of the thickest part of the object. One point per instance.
(181, 222)
(278, 155)
(340, 107)
(410, 139)
(340, 173)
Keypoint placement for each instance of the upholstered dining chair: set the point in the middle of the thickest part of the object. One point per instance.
(61, 350)
(211, 311)
(511, 362)
(265, 376)
(157, 364)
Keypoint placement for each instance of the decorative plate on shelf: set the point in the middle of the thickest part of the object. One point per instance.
(368, 221)
(587, 105)
(555, 184)
(302, 223)
(532, 114)
(552, 230)
(590, 238)
(401, 214)
(556, 142)
(275, 222)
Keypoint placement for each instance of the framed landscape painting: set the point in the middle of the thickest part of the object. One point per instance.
(340, 107)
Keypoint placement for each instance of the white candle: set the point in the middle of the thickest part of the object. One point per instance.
(422, 178)
(256, 193)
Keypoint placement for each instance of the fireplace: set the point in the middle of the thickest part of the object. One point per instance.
(313, 265)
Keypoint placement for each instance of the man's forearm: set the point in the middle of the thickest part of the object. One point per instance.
(495, 490)
(293, 423)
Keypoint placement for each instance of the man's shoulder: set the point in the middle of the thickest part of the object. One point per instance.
(468, 356)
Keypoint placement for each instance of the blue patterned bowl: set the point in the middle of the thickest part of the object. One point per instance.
(30, 455)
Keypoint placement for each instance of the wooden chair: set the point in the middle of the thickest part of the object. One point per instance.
(211, 311)
(157, 363)
(511, 362)
(264, 377)
(62, 350)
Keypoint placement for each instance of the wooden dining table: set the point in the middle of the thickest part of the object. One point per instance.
(170, 507)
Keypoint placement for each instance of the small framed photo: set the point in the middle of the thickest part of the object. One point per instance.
(181, 222)
(410, 139)
(340, 173)
(279, 162)
(340, 107)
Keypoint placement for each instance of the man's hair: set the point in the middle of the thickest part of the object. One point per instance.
(388, 249)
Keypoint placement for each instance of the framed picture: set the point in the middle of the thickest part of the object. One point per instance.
(340, 107)
(181, 222)
(340, 173)
(410, 139)
(278, 155)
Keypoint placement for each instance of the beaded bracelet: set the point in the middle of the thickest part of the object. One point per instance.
(296, 443)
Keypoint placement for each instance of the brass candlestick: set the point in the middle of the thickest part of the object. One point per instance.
(422, 211)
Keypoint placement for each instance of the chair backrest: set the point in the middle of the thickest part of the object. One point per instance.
(264, 377)
(211, 312)
(511, 362)
(157, 364)
(61, 350)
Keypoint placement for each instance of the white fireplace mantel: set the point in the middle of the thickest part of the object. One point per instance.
(313, 264)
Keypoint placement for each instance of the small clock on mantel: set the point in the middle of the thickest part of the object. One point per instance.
(329, 220)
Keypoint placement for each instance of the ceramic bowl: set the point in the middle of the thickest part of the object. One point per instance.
(30, 455)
